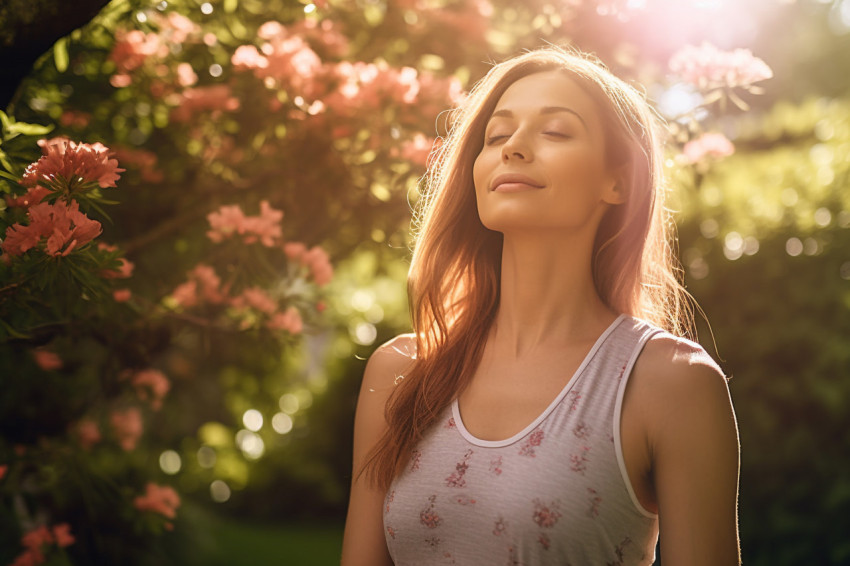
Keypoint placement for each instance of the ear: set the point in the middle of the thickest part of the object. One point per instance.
(614, 192)
(615, 195)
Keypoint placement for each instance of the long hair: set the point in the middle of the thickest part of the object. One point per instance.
(454, 278)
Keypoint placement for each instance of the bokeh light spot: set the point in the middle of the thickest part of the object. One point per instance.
(219, 491)
(282, 423)
(823, 217)
(288, 403)
(253, 420)
(170, 462)
(364, 333)
(206, 457)
(793, 247)
(250, 443)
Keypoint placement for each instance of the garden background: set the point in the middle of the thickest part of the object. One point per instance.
(214, 236)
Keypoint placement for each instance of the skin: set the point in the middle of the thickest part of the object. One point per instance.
(678, 428)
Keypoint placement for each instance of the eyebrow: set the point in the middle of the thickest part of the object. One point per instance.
(545, 110)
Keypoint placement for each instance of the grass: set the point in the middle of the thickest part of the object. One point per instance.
(230, 542)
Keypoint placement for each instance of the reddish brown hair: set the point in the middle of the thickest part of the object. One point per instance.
(453, 283)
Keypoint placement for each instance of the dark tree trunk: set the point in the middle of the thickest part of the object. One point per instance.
(28, 28)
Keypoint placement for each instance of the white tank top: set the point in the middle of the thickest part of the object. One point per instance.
(556, 493)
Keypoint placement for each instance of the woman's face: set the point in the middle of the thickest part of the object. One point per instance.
(542, 166)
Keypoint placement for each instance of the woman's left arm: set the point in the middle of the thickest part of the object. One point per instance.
(695, 451)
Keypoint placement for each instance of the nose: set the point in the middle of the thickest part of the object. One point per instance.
(515, 148)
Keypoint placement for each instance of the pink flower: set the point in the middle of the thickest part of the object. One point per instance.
(47, 360)
(294, 250)
(229, 220)
(203, 284)
(125, 268)
(29, 558)
(210, 283)
(289, 320)
(151, 383)
(66, 164)
(36, 538)
(186, 294)
(62, 533)
(34, 195)
(710, 144)
(177, 27)
(120, 80)
(320, 266)
(204, 98)
(707, 66)
(186, 75)
(64, 226)
(88, 433)
(122, 295)
(256, 298)
(75, 119)
(248, 57)
(134, 47)
(546, 515)
(144, 160)
(159, 499)
(127, 426)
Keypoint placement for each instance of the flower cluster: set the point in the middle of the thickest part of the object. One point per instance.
(707, 66)
(203, 286)
(87, 433)
(67, 166)
(64, 227)
(47, 359)
(710, 144)
(203, 98)
(134, 48)
(315, 259)
(38, 540)
(286, 59)
(230, 221)
(150, 385)
(127, 426)
(145, 161)
(33, 196)
(160, 499)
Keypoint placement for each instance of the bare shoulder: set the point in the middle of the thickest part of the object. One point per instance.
(675, 377)
(388, 362)
(681, 388)
(694, 450)
(672, 365)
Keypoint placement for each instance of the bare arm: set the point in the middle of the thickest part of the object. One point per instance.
(363, 542)
(693, 438)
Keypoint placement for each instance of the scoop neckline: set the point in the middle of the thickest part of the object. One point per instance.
(542, 416)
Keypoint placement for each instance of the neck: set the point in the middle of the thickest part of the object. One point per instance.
(547, 296)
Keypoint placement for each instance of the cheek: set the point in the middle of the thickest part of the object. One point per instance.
(479, 171)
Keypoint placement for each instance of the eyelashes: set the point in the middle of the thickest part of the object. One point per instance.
(491, 140)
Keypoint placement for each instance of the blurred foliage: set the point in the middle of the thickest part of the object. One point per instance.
(334, 131)
(765, 238)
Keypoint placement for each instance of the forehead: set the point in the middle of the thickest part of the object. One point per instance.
(548, 89)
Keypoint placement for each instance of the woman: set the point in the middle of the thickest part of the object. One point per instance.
(547, 408)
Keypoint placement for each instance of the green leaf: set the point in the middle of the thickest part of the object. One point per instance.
(7, 175)
(11, 331)
(29, 129)
(60, 54)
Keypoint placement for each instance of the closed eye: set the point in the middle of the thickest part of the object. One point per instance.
(557, 134)
(493, 139)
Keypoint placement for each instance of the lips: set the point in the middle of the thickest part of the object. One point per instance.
(514, 181)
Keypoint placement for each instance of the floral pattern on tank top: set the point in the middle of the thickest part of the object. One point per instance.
(482, 481)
